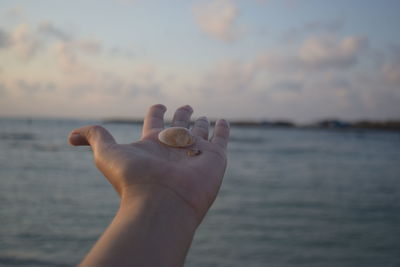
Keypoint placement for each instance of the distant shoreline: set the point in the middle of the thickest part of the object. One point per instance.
(322, 124)
(384, 125)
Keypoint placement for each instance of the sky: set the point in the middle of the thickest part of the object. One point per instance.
(302, 60)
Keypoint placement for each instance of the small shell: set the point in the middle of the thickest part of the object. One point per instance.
(193, 152)
(176, 137)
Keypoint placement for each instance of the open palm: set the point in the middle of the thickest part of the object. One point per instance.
(194, 179)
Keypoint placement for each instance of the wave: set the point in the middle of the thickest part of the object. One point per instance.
(237, 139)
(14, 261)
(17, 136)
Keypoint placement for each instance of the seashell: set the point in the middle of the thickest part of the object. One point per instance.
(193, 152)
(176, 137)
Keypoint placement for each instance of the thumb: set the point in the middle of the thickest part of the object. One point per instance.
(95, 136)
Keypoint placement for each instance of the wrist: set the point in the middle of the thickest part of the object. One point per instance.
(152, 227)
(153, 200)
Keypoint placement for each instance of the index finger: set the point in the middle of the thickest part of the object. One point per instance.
(221, 133)
(154, 119)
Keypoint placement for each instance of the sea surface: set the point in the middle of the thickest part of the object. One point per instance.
(290, 197)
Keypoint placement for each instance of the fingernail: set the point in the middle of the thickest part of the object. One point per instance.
(74, 138)
(75, 135)
(160, 106)
(188, 107)
(225, 121)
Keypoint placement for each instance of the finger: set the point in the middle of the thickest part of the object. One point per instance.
(200, 128)
(221, 133)
(95, 136)
(182, 116)
(154, 119)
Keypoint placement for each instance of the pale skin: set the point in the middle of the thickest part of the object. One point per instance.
(165, 193)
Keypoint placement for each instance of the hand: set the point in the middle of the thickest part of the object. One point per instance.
(150, 167)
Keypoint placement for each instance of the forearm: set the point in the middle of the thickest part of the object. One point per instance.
(153, 227)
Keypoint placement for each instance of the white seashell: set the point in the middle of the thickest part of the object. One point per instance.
(176, 137)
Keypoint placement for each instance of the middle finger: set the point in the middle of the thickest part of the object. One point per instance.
(182, 116)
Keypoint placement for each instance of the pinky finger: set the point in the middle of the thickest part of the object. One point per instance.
(221, 133)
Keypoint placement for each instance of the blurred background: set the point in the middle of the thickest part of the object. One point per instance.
(312, 89)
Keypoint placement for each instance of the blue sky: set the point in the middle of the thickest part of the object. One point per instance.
(301, 60)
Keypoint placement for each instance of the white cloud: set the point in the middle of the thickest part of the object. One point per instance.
(318, 77)
(90, 46)
(328, 52)
(217, 19)
(322, 77)
(228, 77)
(76, 77)
(24, 42)
(66, 57)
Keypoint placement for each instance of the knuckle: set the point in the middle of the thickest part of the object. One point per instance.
(180, 122)
(93, 130)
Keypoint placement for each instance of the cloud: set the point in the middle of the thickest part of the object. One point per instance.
(328, 52)
(390, 68)
(71, 74)
(66, 57)
(2, 89)
(21, 41)
(314, 55)
(126, 51)
(391, 72)
(321, 77)
(24, 42)
(23, 87)
(317, 76)
(66, 48)
(285, 69)
(228, 76)
(217, 19)
(145, 82)
(70, 58)
(67, 54)
(86, 45)
(4, 39)
(90, 46)
(32, 88)
(315, 27)
(290, 85)
(49, 29)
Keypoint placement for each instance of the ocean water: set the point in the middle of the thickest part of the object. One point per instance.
(290, 197)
